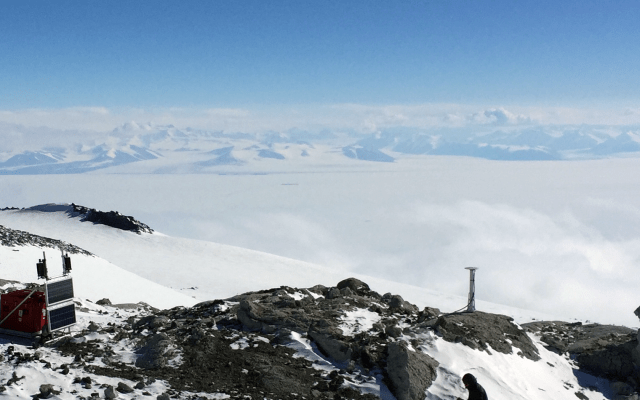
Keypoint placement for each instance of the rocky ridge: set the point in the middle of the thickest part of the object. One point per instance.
(12, 238)
(606, 351)
(111, 218)
(312, 343)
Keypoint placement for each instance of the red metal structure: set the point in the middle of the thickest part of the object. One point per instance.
(43, 310)
(28, 317)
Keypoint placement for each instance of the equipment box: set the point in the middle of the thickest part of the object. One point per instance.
(31, 317)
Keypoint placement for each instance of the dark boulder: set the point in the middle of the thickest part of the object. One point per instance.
(355, 285)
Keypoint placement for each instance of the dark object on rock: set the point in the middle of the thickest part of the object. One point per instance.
(112, 218)
(104, 302)
(410, 372)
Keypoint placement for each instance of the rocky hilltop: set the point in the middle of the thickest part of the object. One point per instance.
(338, 342)
(111, 218)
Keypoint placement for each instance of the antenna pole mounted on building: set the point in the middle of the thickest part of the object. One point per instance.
(471, 306)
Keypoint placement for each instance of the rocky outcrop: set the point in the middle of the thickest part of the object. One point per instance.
(111, 218)
(14, 238)
(321, 343)
(480, 330)
(602, 350)
(410, 372)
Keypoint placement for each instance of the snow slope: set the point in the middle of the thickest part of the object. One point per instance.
(204, 270)
(93, 278)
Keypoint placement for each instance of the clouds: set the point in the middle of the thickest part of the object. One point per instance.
(554, 263)
(500, 116)
(562, 238)
(355, 117)
(530, 259)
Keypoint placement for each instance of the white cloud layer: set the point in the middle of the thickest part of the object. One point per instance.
(357, 117)
(552, 237)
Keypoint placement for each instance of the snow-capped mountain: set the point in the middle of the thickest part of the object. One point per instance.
(273, 327)
(147, 148)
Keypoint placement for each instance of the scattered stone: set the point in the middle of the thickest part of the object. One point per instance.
(47, 390)
(103, 302)
(93, 327)
(124, 388)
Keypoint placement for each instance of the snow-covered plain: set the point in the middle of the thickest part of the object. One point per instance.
(558, 237)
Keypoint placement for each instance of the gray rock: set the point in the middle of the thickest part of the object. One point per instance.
(104, 302)
(333, 293)
(153, 353)
(163, 396)
(409, 372)
(152, 322)
(110, 393)
(346, 292)
(249, 315)
(397, 304)
(124, 388)
(47, 390)
(621, 388)
(428, 313)
(625, 397)
(327, 340)
(393, 330)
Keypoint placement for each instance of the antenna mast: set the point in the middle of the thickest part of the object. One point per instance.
(471, 306)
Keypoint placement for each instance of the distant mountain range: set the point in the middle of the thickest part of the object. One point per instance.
(167, 149)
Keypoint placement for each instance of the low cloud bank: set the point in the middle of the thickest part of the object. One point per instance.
(555, 264)
(362, 118)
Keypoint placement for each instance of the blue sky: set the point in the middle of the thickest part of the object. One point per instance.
(255, 53)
